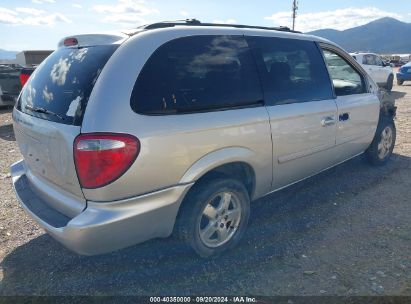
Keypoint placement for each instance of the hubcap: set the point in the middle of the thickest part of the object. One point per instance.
(220, 219)
(385, 143)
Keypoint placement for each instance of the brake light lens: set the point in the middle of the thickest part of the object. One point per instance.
(23, 79)
(101, 158)
(70, 41)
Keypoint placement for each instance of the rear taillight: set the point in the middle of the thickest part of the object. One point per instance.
(101, 158)
(23, 79)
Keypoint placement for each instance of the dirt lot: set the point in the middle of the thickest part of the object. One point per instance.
(344, 232)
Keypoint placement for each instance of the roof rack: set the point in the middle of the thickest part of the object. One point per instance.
(195, 22)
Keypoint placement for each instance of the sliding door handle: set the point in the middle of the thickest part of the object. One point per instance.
(328, 121)
(344, 116)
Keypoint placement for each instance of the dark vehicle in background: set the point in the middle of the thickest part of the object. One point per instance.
(396, 63)
(10, 85)
(13, 77)
(404, 73)
(15, 66)
(25, 74)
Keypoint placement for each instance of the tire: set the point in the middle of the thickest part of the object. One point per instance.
(383, 143)
(390, 82)
(202, 213)
(400, 81)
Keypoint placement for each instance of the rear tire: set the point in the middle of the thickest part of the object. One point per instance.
(383, 143)
(214, 216)
(400, 81)
(390, 82)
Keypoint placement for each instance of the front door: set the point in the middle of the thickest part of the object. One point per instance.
(374, 68)
(358, 108)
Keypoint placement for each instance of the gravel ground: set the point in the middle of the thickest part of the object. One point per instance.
(346, 231)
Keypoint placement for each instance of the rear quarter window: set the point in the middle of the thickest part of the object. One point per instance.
(59, 89)
(197, 73)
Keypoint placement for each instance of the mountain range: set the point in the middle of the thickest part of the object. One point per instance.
(383, 36)
(4, 54)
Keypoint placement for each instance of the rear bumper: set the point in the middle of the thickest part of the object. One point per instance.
(403, 76)
(103, 227)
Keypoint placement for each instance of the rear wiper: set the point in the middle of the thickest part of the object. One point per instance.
(42, 110)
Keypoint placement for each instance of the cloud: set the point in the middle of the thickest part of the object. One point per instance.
(340, 19)
(7, 16)
(227, 21)
(184, 13)
(29, 11)
(125, 12)
(76, 5)
(30, 16)
(43, 1)
(6, 11)
(59, 71)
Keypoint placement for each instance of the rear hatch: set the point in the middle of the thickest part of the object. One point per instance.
(48, 117)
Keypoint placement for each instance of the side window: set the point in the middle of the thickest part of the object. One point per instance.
(378, 61)
(369, 60)
(197, 73)
(291, 70)
(346, 79)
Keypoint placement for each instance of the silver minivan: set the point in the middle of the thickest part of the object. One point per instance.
(177, 127)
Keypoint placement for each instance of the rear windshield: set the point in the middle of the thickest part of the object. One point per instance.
(60, 87)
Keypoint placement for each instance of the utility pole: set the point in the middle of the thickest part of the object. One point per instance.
(295, 8)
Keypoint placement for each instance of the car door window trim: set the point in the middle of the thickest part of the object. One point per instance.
(350, 60)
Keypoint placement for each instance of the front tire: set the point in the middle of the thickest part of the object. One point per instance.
(400, 81)
(390, 82)
(383, 143)
(214, 216)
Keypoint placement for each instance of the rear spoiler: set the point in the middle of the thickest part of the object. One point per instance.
(92, 39)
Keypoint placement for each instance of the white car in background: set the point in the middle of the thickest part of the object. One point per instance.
(379, 71)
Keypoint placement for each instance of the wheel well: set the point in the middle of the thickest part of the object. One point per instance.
(240, 171)
(387, 107)
(388, 110)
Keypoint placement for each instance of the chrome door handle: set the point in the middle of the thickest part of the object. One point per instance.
(328, 121)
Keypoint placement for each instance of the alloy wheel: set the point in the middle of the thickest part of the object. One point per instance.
(220, 219)
(384, 146)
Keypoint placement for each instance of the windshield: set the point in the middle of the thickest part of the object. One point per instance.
(60, 87)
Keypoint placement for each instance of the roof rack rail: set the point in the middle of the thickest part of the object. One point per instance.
(195, 22)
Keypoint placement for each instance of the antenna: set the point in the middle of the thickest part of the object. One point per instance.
(295, 8)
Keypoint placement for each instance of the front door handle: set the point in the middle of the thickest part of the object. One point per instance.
(328, 121)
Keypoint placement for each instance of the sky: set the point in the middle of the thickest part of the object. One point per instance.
(40, 24)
